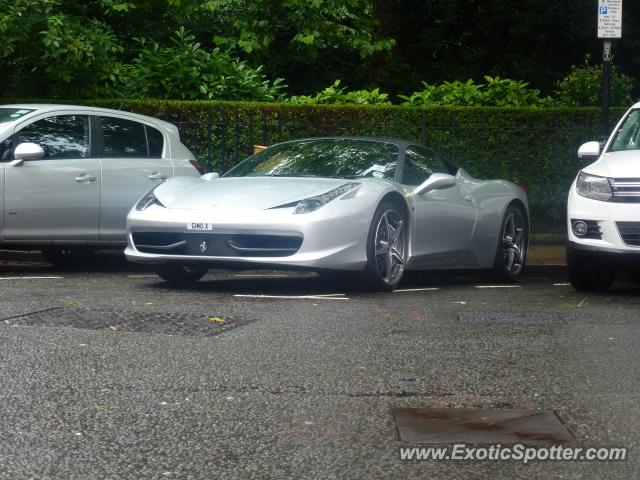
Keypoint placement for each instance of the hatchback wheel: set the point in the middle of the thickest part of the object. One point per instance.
(68, 257)
(181, 274)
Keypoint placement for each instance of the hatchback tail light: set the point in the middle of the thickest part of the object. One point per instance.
(198, 166)
(523, 187)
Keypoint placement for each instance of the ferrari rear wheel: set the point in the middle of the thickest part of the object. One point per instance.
(512, 248)
(386, 247)
(181, 274)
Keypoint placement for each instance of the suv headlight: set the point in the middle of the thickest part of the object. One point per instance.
(148, 200)
(593, 186)
(312, 204)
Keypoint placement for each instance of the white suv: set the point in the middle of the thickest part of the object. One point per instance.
(603, 215)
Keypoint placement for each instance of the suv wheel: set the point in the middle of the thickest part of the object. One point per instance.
(588, 280)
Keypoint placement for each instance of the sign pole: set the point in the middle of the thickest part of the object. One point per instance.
(609, 26)
(606, 75)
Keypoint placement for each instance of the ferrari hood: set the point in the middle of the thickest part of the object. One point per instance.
(624, 164)
(241, 193)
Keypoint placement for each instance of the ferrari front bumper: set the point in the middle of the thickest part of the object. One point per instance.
(318, 240)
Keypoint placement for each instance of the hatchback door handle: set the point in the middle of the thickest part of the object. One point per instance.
(157, 176)
(85, 178)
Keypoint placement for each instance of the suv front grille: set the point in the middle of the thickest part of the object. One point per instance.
(625, 190)
(630, 233)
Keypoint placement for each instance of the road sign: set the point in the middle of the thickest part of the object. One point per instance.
(609, 18)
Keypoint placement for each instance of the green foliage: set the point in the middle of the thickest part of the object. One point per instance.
(58, 48)
(48, 49)
(297, 27)
(583, 87)
(337, 95)
(498, 92)
(184, 70)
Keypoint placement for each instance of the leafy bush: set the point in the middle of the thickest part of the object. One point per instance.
(499, 92)
(337, 95)
(184, 70)
(583, 87)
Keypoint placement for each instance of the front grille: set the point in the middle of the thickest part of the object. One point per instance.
(630, 233)
(625, 190)
(217, 244)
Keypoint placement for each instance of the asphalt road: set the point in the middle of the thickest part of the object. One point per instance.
(116, 375)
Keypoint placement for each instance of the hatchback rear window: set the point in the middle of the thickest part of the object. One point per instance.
(123, 138)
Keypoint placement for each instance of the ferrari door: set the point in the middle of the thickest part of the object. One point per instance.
(444, 218)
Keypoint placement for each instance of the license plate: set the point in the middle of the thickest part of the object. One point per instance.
(200, 226)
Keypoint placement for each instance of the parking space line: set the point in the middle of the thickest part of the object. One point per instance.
(561, 284)
(497, 286)
(142, 276)
(296, 297)
(30, 278)
(416, 290)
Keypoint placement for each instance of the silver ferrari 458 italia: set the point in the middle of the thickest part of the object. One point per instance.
(372, 206)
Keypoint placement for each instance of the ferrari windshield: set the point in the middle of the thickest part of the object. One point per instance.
(11, 114)
(628, 135)
(326, 157)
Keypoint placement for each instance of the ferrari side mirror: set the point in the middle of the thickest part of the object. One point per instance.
(435, 182)
(210, 176)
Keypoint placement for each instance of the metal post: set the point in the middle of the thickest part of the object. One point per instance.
(606, 74)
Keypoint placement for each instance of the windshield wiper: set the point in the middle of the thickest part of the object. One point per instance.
(291, 175)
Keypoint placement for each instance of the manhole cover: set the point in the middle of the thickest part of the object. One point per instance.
(481, 426)
(187, 324)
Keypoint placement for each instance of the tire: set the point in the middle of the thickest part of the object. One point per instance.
(588, 280)
(385, 263)
(69, 258)
(633, 274)
(513, 243)
(181, 274)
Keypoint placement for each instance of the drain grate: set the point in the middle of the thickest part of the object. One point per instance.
(481, 426)
(185, 324)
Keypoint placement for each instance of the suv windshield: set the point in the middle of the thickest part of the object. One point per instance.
(322, 158)
(628, 135)
(11, 114)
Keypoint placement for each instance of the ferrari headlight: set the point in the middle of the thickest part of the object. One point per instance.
(312, 204)
(148, 200)
(592, 186)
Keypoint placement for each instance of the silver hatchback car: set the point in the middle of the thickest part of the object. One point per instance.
(69, 175)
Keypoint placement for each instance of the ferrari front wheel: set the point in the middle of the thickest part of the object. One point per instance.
(386, 247)
(181, 274)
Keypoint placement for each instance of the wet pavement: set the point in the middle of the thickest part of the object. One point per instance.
(110, 373)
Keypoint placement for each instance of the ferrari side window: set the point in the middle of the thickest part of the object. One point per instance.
(419, 164)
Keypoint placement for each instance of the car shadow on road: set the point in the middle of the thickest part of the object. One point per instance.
(287, 283)
(28, 263)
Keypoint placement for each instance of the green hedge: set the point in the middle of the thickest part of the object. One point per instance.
(533, 146)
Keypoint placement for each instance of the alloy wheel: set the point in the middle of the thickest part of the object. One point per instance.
(390, 246)
(514, 243)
